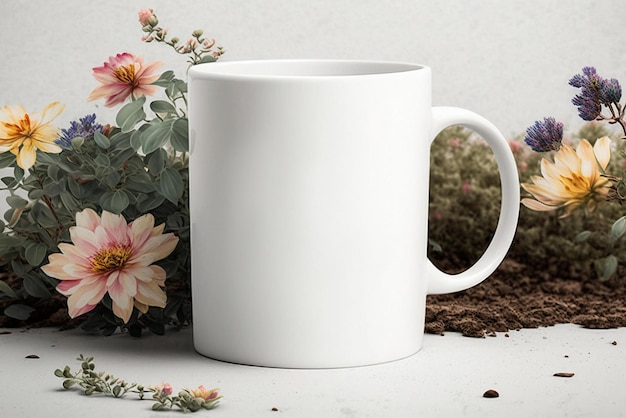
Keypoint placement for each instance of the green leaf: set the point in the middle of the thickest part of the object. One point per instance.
(606, 267)
(18, 173)
(7, 290)
(35, 253)
(17, 202)
(156, 161)
(53, 172)
(6, 159)
(162, 106)
(170, 185)
(35, 286)
(152, 201)
(207, 58)
(115, 202)
(101, 140)
(77, 142)
(19, 311)
(156, 136)
(43, 216)
(131, 114)
(70, 202)
(135, 140)
(180, 135)
(618, 229)
(165, 79)
(582, 237)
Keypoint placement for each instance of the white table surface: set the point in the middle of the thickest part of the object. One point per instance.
(447, 378)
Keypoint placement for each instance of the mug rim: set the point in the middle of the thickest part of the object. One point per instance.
(301, 68)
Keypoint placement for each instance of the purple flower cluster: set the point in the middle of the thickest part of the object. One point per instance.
(85, 127)
(595, 91)
(545, 135)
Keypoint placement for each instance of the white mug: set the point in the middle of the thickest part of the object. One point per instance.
(309, 205)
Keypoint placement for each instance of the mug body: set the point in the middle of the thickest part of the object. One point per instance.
(309, 200)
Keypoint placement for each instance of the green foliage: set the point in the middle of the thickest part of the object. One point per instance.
(137, 167)
(463, 219)
(464, 198)
(108, 171)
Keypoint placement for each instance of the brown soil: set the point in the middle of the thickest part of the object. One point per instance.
(514, 297)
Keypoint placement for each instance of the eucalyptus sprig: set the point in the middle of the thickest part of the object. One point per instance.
(92, 382)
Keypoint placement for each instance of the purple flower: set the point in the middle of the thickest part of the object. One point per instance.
(86, 127)
(545, 136)
(610, 91)
(595, 91)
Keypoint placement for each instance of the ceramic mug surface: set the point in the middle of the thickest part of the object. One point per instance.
(309, 205)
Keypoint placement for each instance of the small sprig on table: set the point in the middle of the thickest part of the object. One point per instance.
(92, 382)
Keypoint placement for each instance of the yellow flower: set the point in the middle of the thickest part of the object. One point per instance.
(575, 178)
(23, 133)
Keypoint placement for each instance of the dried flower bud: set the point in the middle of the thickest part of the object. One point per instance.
(197, 33)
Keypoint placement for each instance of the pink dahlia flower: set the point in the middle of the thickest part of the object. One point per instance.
(124, 75)
(109, 255)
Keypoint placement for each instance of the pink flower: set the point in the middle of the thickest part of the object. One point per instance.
(124, 75)
(466, 187)
(163, 388)
(112, 256)
(145, 15)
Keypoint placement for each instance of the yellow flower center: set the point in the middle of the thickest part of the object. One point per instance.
(126, 74)
(20, 129)
(111, 258)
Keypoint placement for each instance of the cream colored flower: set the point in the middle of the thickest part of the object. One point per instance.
(573, 179)
(24, 133)
(112, 256)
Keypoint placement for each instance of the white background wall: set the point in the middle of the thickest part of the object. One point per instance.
(508, 60)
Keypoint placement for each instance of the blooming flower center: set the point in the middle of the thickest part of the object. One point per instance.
(111, 258)
(126, 74)
(22, 128)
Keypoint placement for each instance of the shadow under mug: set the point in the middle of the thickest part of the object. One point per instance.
(309, 205)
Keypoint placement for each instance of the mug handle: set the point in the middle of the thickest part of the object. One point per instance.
(440, 282)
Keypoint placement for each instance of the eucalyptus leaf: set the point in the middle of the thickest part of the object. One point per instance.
(115, 202)
(618, 229)
(7, 290)
(19, 311)
(606, 267)
(152, 201)
(43, 216)
(171, 185)
(162, 106)
(156, 136)
(35, 253)
(207, 58)
(135, 140)
(70, 202)
(582, 237)
(17, 202)
(101, 140)
(165, 79)
(7, 159)
(180, 135)
(18, 173)
(156, 161)
(131, 114)
(53, 172)
(35, 286)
